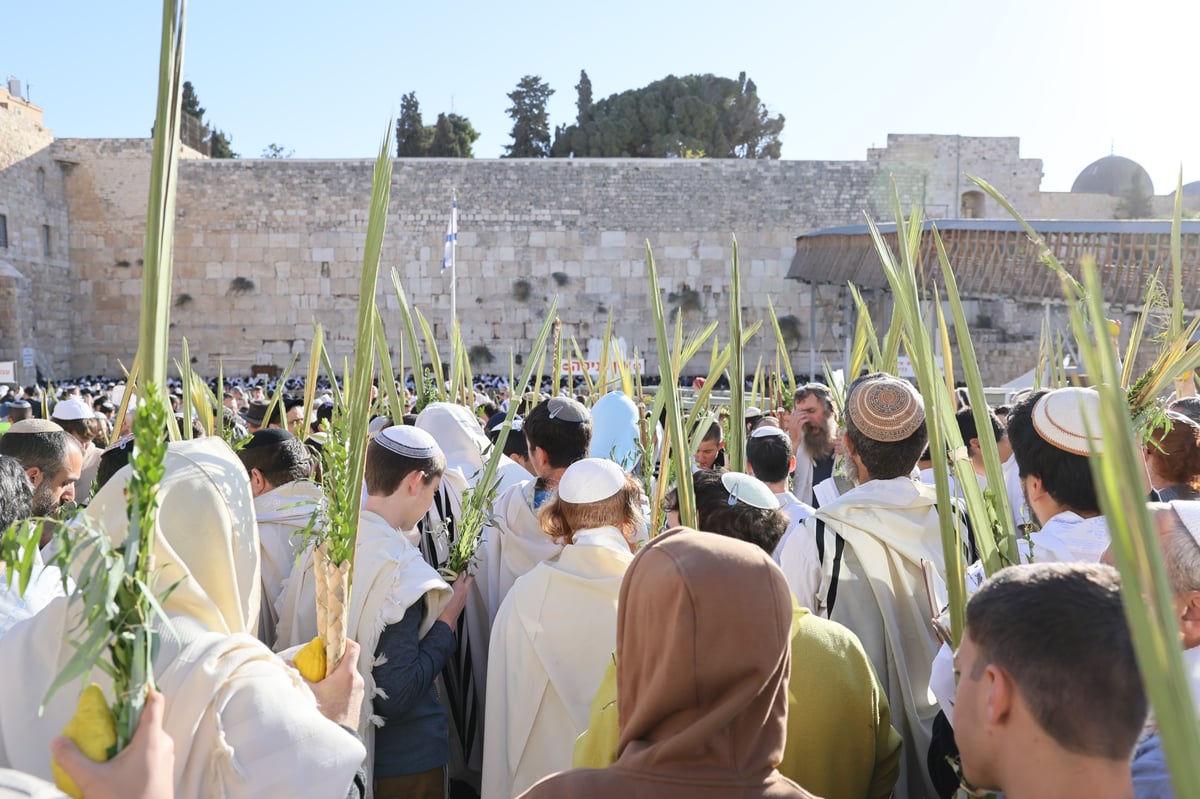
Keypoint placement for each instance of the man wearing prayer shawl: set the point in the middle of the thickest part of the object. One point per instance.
(703, 657)
(556, 629)
(870, 547)
(559, 432)
(244, 724)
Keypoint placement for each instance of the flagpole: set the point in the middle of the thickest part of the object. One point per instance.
(449, 256)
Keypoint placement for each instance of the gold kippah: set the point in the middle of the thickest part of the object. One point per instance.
(886, 409)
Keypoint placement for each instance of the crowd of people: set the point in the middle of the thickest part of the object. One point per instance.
(792, 644)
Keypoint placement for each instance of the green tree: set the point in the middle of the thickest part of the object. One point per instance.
(1135, 202)
(464, 133)
(412, 140)
(676, 117)
(445, 144)
(531, 126)
(191, 103)
(221, 145)
(195, 130)
(584, 102)
(274, 150)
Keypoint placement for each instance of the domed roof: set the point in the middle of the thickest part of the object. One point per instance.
(1112, 175)
(1190, 189)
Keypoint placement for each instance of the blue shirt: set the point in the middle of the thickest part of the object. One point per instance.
(414, 737)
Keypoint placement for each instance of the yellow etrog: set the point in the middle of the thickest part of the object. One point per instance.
(94, 731)
(310, 661)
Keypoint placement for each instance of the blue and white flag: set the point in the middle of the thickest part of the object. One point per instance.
(451, 236)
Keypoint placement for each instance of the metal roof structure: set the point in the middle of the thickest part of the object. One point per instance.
(995, 258)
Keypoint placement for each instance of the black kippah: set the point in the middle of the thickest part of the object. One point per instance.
(265, 438)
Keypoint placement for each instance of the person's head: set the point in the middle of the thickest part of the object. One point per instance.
(113, 459)
(16, 492)
(517, 448)
(259, 415)
(19, 411)
(970, 432)
(295, 417)
(885, 426)
(1048, 431)
(1173, 455)
(734, 505)
(686, 596)
(1188, 406)
(559, 432)
(51, 458)
(273, 458)
(769, 454)
(710, 446)
(813, 404)
(403, 472)
(1178, 524)
(593, 492)
(1046, 655)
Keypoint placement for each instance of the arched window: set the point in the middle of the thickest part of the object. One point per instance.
(972, 205)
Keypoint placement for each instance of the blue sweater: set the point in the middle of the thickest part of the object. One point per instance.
(414, 737)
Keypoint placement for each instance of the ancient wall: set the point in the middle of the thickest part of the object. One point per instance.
(37, 307)
(266, 246)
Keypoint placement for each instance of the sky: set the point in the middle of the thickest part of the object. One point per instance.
(1074, 80)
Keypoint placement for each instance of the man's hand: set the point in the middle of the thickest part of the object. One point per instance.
(143, 770)
(458, 601)
(340, 694)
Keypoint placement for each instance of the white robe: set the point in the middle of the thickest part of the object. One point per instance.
(512, 545)
(244, 724)
(553, 639)
(797, 512)
(283, 512)
(890, 528)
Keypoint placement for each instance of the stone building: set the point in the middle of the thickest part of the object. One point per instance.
(264, 247)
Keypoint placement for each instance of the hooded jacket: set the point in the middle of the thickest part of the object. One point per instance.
(704, 655)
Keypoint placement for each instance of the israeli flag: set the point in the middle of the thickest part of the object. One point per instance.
(451, 236)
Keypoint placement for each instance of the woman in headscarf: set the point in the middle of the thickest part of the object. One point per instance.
(703, 658)
(243, 723)
(556, 629)
(1173, 459)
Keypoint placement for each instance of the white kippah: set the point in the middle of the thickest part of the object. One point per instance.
(34, 426)
(1069, 419)
(750, 490)
(590, 480)
(72, 409)
(409, 441)
(768, 430)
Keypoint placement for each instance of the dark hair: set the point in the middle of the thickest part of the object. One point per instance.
(280, 462)
(45, 451)
(1176, 452)
(16, 492)
(1067, 478)
(884, 459)
(386, 470)
(563, 441)
(112, 460)
(966, 425)
(20, 414)
(770, 457)
(1188, 406)
(81, 428)
(515, 444)
(714, 433)
(1059, 630)
(819, 389)
(759, 526)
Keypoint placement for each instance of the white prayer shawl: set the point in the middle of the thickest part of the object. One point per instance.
(283, 512)
(1016, 495)
(390, 575)
(552, 641)
(512, 545)
(890, 527)
(465, 446)
(797, 512)
(244, 724)
(87, 475)
(45, 585)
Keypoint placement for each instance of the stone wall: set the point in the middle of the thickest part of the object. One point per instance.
(37, 309)
(265, 246)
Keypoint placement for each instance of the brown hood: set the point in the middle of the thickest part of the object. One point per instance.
(703, 643)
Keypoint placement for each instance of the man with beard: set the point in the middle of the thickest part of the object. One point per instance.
(51, 458)
(813, 429)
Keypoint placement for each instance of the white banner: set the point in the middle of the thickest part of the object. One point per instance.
(8, 372)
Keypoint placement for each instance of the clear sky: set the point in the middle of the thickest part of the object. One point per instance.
(1074, 79)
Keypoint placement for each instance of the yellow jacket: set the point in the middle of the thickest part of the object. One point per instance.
(840, 740)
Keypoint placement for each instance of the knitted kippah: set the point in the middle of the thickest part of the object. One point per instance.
(887, 409)
(1069, 419)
